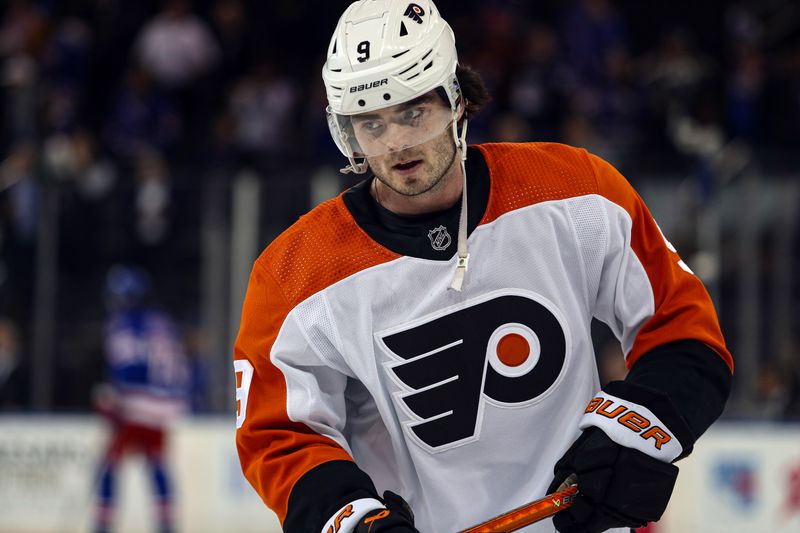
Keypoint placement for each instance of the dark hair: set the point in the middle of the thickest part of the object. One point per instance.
(475, 93)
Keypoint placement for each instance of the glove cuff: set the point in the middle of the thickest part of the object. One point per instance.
(346, 519)
(651, 424)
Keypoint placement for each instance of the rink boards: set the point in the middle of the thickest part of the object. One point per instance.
(741, 478)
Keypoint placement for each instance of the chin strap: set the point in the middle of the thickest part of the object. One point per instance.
(356, 168)
(463, 254)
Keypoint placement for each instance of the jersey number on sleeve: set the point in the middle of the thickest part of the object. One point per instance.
(242, 388)
(672, 249)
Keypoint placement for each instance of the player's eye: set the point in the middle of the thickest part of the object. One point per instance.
(371, 126)
(413, 115)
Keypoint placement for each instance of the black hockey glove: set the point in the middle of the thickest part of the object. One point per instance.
(618, 486)
(622, 460)
(396, 518)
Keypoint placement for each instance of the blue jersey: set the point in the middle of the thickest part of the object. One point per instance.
(147, 366)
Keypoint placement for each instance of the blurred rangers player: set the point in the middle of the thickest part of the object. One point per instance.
(425, 336)
(147, 389)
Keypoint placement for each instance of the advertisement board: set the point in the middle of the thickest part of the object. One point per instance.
(741, 478)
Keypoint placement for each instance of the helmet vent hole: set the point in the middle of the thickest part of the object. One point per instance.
(403, 30)
(429, 65)
(398, 55)
(387, 96)
(426, 55)
(406, 70)
(412, 77)
(334, 47)
(362, 103)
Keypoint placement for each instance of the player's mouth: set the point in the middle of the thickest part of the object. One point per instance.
(405, 168)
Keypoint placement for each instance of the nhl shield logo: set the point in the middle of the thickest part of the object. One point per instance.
(440, 238)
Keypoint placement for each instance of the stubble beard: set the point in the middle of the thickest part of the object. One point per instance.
(433, 170)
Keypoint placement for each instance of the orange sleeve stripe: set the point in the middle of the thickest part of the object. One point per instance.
(683, 308)
(316, 252)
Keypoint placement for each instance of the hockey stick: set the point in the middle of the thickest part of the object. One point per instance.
(528, 513)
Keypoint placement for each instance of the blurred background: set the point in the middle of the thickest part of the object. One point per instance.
(183, 136)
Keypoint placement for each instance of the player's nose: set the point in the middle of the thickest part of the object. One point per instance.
(397, 138)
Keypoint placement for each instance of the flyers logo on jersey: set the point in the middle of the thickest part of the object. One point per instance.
(507, 350)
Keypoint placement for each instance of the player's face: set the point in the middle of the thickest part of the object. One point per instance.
(417, 170)
(412, 143)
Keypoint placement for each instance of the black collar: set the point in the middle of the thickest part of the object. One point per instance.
(428, 236)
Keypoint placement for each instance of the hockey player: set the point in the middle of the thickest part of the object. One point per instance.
(425, 336)
(147, 389)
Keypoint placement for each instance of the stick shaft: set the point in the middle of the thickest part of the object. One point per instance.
(528, 513)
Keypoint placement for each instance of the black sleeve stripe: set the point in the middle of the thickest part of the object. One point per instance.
(695, 379)
(322, 491)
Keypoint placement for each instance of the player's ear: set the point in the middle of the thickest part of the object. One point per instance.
(461, 111)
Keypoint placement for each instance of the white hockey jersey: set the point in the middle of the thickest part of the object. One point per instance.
(459, 401)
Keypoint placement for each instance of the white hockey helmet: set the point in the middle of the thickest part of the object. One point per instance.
(384, 53)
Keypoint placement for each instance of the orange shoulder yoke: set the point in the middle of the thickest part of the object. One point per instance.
(322, 247)
(524, 174)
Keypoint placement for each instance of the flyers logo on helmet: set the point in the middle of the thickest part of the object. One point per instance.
(415, 13)
(509, 349)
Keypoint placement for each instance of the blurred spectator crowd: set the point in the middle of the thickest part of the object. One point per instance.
(118, 116)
